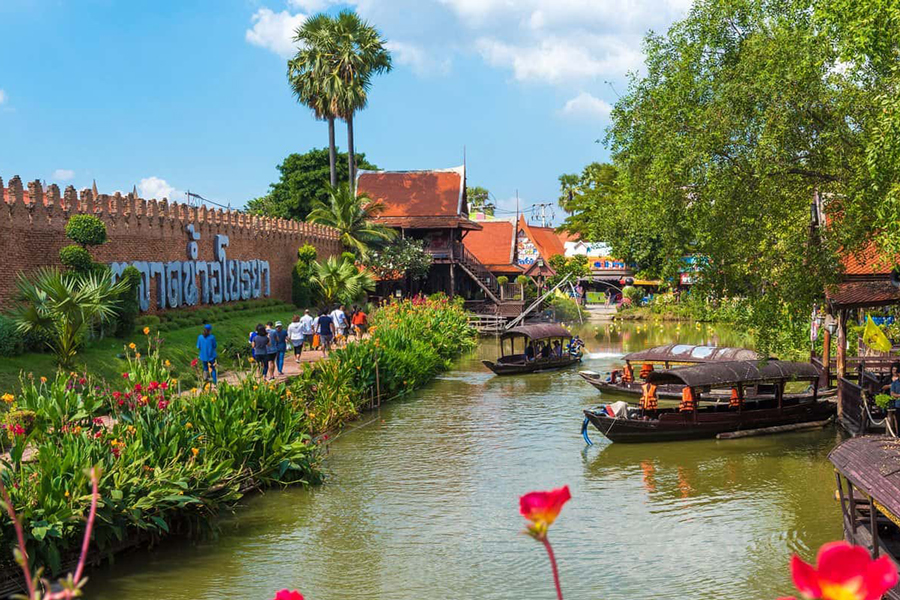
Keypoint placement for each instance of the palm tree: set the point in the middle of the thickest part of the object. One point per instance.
(340, 281)
(308, 74)
(356, 52)
(352, 216)
(64, 306)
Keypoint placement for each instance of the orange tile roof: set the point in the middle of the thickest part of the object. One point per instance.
(494, 244)
(547, 242)
(438, 193)
(868, 261)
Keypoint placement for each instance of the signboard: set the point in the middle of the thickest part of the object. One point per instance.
(191, 282)
(526, 251)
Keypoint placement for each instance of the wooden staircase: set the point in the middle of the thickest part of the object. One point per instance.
(478, 272)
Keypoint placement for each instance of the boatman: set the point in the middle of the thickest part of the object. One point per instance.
(687, 400)
(649, 401)
(735, 400)
(646, 369)
(628, 373)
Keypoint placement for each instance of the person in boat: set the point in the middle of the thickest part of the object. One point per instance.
(545, 350)
(575, 345)
(557, 349)
(687, 400)
(646, 369)
(627, 373)
(649, 401)
(735, 400)
(529, 352)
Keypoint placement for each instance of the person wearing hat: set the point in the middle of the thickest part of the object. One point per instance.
(206, 344)
(280, 346)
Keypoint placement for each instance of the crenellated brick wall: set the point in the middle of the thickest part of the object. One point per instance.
(32, 231)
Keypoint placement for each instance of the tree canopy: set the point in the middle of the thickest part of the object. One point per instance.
(352, 216)
(480, 200)
(304, 181)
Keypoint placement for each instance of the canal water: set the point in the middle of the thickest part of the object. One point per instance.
(421, 503)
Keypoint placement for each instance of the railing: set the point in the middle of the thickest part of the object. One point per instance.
(511, 291)
(485, 278)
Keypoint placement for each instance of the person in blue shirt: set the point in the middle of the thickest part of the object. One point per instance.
(326, 331)
(280, 346)
(206, 344)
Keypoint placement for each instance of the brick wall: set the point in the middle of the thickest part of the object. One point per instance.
(32, 231)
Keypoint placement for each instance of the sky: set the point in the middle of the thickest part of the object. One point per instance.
(182, 95)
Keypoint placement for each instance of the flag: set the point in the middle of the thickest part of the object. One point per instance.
(874, 338)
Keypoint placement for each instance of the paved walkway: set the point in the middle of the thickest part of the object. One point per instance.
(291, 366)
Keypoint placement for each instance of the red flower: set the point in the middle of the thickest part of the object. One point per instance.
(121, 402)
(194, 363)
(124, 375)
(164, 385)
(117, 395)
(162, 404)
(153, 385)
(138, 387)
(844, 572)
(82, 381)
(98, 421)
(116, 451)
(288, 595)
(18, 429)
(542, 508)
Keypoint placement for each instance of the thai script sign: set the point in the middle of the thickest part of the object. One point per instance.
(191, 282)
(526, 251)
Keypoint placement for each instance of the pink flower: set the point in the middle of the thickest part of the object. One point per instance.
(98, 421)
(153, 386)
(288, 595)
(844, 572)
(164, 385)
(542, 508)
(162, 404)
(18, 429)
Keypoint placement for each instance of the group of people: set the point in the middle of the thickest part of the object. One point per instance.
(548, 350)
(269, 342)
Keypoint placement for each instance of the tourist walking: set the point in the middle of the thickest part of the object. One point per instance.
(273, 349)
(325, 325)
(295, 334)
(308, 329)
(360, 323)
(281, 337)
(339, 318)
(206, 345)
(261, 350)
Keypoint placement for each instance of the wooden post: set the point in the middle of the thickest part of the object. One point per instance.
(852, 499)
(779, 392)
(873, 526)
(452, 280)
(826, 355)
(841, 365)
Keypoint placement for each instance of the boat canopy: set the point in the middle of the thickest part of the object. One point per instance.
(686, 353)
(872, 464)
(538, 332)
(736, 372)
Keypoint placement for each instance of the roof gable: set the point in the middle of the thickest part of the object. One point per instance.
(436, 193)
(494, 245)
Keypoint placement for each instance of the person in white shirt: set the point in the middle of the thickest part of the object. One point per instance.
(340, 322)
(295, 335)
(308, 329)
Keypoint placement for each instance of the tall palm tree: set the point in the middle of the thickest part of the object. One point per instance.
(340, 281)
(357, 52)
(308, 73)
(352, 216)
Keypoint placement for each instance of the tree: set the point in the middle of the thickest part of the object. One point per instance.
(575, 267)
(479, 200)
(303, 182)
(352, 216)
(354, 52)
(302, 288)
(64, 307)
(340, 281)
(403, 258)
(307, 74)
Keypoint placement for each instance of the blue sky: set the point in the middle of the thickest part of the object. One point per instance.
(170, 96)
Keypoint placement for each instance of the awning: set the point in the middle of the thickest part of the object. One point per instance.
(862, 294)
(726, 374)
(538, 332)
(872, 464)
(686, 353)
(647, 282)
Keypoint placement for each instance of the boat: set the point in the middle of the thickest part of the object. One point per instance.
(666, 356)
(867, 469)
(714, 415)
(535, 337)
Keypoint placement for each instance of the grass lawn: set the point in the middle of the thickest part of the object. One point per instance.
(102, 357)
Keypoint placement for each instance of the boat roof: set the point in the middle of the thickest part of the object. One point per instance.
(872, 464)
(541, 331)
(735, 372)
(687, 353)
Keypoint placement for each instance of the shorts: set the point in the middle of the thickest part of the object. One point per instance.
(326, 339)
(298, 346)
(308, 338)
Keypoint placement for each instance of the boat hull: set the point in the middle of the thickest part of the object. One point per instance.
(531, 367)
(676, 426)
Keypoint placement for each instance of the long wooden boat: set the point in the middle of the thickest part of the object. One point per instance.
(868, 483)
(667, 356)
(531, 359)
(712, 415)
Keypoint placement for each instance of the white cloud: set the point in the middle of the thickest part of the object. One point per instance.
(2, 96)
(417, 58)
(154, 187)
(275, 31)
(584, 105)
(63, 174)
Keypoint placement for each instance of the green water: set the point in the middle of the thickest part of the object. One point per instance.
(422, 503)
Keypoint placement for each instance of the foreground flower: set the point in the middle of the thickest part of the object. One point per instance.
(146, 331)
(542, 508)
(195, 362)
(288, 595)
(132, 345)
(844, 572)
(8, 398)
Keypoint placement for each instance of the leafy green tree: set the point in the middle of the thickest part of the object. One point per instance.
(129, 306)
(403, 258)
(86, 230)
(352, 216)
(64, 307)
(302, 183)
(575, 267)
(302, 288)
(479, 200)
(340, 281)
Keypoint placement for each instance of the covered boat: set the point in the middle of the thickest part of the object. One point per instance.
(867, 470)
(543, 347)
(703, 414)
(623, 381)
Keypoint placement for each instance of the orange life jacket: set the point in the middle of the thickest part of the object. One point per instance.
(646, 369)
(687, 399)
(648, 399)
(628, 374)
(735, 401)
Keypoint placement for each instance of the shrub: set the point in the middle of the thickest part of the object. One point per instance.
(129, 305)
(86, 230)
(11, 341)
(634, 294)
(564, 308)
(302, 292)
(76, 258)
(147, 321)
(503, 280)
(522, 280)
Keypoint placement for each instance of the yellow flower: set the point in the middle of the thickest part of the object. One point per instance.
(195, 451)
(167, 363)
(8, 398)
(67, 493)
(43, 380)
(206, 387)
(255, 387)
(288, 393)
(137, 354)
(174, 381)
(188, 425)
(193, 390)
(114, 442)
(146, 331)
(78, 429)
(130, 429)
(132, 345)
(250, 359)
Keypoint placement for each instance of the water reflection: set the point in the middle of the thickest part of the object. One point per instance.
(421, 504)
